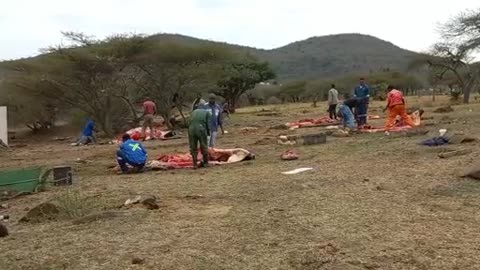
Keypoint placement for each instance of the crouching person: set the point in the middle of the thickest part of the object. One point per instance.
(131, 153)
(198, 132)
(346, 112)
(88, 134)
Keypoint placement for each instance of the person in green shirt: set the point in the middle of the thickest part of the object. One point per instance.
(198, 132)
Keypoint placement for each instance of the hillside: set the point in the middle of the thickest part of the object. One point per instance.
(325, 56)
(319, 57)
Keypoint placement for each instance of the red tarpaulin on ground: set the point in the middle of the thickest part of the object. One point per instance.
(136, 134)
(216, 157)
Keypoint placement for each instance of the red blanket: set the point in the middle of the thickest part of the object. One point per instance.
(136, 134)
(216, 156)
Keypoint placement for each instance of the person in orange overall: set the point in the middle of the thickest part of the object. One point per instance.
(396, 107)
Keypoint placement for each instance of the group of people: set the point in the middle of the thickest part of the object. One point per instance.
(355, 109)
(205, 123)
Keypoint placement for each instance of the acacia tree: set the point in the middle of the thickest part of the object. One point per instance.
(240, 77)
(452, 56)
(87, 74)
(169, 73)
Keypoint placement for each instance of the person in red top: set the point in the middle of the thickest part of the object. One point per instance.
(149, 112)
(396, 107)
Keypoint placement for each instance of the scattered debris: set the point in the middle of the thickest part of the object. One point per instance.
(299, 170)
(435, 141)
(455, 153)
(96, 217)
(287, 140)
(289, 155)
(137, 260)
(3, 230)
(43, 211)
(445, 109)
(147, 201)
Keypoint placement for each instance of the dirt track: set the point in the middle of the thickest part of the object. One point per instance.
(371, 202)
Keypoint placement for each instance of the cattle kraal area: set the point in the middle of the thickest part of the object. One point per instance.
(371, 202)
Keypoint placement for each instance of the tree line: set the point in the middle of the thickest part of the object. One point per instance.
(105, 79)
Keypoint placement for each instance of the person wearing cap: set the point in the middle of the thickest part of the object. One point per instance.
(133, 153)
(362, 92)
(198, 132)
(396, 107)
(215, 121)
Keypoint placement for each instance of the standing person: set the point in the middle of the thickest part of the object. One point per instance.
(346, 110)
(215, 121)
(133, 153)
(88, 133)
(396, 107)
(362, 91)
(149, 112)
(198, 132)
(332, 102)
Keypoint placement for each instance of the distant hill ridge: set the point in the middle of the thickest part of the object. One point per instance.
(324, 56)
(319, 57)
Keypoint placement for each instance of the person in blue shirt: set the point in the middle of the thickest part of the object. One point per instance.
(215, 120)
(133, 153)
(88, 133)
(362, 92)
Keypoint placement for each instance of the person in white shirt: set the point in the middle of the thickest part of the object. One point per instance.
(332, 102)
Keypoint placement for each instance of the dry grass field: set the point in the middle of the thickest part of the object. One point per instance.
(371, 202)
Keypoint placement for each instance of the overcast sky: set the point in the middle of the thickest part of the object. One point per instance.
(27, 25)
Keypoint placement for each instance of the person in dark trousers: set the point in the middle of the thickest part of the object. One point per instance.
(133, 153)
(362, 92)
(332, 102)
(215, 120)
(198, 132)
